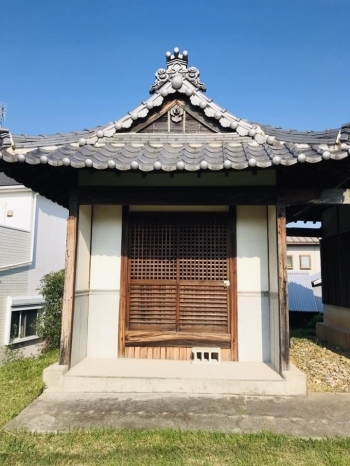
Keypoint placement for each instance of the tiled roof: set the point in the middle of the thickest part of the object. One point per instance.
(241, 143)
(295, 240)
(172, 152)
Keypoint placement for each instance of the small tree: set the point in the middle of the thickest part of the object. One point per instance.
(48, 323)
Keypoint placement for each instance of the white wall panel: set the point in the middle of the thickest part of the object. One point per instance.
(103, 324)
(253, 328)
(253, 284)
(106, 247)
(104, 281)
(252, 261)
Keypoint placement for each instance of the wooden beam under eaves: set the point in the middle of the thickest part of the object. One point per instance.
(305, 232)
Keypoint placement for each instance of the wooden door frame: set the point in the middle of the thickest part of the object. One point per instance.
(124, 272)
(232, 291)
(232, 256)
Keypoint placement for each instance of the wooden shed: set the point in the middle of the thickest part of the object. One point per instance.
(176, 275)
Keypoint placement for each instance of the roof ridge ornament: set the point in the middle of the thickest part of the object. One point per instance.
(177, 70)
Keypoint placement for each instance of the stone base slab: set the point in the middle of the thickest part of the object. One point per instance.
(182, 377)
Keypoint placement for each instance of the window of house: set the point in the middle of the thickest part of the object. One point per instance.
(23, 324)
(289, 262)
(21, 313)
(305, 262)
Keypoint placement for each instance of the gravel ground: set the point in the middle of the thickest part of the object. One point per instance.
(326, 366)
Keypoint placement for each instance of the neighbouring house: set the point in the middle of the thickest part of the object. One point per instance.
(303, 254)
(176, 264)
(32, 243)
(304, 267)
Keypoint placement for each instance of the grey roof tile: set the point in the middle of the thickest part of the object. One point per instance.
(168, 150)
(327, 136)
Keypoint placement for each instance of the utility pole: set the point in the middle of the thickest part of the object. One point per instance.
(2, 113)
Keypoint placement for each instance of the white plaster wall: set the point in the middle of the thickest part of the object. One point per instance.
(104, 281)
(49, 241)
(106, 247)
(253, 284)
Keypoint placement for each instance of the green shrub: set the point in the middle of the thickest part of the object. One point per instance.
(48, 323)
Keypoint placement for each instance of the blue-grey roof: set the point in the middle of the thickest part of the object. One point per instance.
(169, 152)
(300, 293)
(234, 143)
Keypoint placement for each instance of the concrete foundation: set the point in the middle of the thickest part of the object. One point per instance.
(95, 375)
(337, 336)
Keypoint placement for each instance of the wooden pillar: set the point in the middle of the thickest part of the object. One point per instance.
(69, 282)
(232, 254)
(282, 287)
(124, 281)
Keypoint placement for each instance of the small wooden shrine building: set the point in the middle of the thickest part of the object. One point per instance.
(176, 241)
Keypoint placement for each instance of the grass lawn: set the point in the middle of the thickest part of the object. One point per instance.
(21, 382)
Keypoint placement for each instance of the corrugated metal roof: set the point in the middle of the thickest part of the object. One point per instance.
(300, 293)
(302, 240)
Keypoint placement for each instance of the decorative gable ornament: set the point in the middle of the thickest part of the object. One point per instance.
(176, 72)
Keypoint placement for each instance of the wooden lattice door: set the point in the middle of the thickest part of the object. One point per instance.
(179, 290)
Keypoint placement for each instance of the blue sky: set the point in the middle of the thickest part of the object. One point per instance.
(73, 64)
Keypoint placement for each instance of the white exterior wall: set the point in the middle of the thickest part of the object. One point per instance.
(32, 230)
(104, 281)
(253, 284)
(16, 207)
(49, 242)
(305, 250)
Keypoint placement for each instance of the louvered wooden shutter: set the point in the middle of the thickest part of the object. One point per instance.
(177, 266)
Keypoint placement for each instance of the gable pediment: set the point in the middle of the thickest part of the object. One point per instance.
(177, 116)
